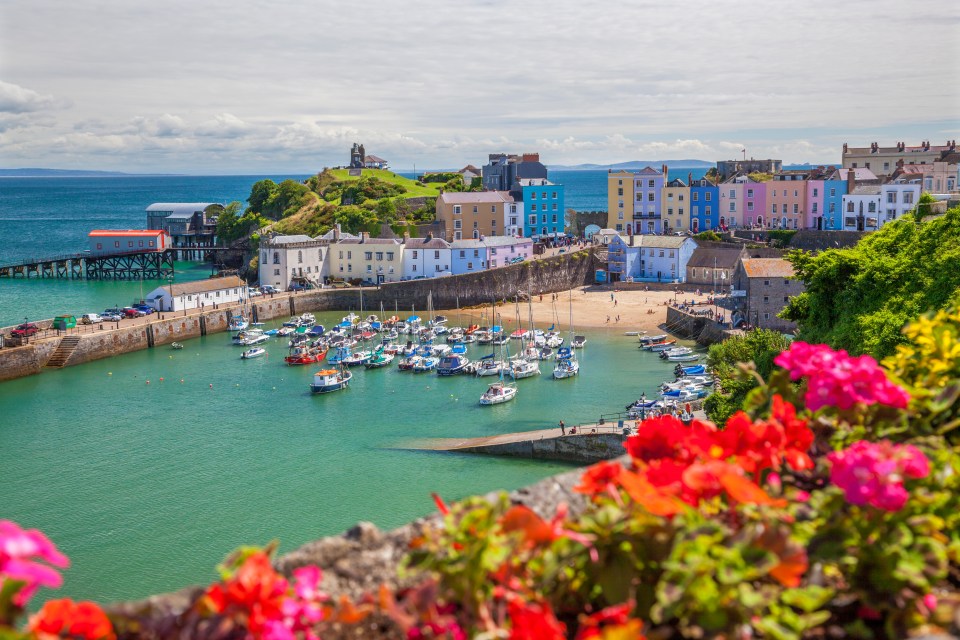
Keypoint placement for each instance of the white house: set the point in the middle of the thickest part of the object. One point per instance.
(198, 294)
(897, 198)
(861, 208)
(297, 259)
(426, 258)
(469, 256)
(650, 257)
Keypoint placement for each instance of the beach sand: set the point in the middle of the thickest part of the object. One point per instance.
(641, 311)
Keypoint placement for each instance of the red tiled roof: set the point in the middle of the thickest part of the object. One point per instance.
(767, 268)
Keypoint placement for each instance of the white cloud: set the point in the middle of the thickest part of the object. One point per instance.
(244, 86)
(17, 99)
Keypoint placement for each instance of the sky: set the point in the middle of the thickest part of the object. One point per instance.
(228, 87)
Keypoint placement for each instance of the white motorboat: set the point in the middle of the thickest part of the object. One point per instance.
(488, 366)
(307, 320)
(520, 369)
(498, 393)
(238, 323)
(566, 368)
(253, 337)
(176, 345)
(255, 352)
(330, 380)
(578, 342)
(683, 357)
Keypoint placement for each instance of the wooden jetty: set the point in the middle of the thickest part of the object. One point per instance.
(147, 265)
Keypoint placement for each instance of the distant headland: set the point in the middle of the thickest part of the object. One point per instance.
(32, 172)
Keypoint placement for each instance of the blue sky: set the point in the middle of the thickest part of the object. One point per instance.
(243, 87)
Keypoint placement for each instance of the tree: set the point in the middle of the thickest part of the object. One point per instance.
(227, 223)
(261, 193)
(708, 236)
(759, 347)
(354, 219)
(859, 298)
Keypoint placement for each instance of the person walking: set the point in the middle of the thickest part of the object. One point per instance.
(563, 428)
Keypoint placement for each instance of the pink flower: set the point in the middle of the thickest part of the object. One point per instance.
(836, 379)
(873, 473)
(17, 550)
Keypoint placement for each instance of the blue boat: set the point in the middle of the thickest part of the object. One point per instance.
(695, 370)
(330, 380)
(315, 330)
(452, 364)
(339, 356)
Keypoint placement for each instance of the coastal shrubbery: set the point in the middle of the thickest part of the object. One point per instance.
(827, 506)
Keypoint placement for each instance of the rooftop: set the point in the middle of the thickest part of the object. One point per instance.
(181, 207)
(133, 233)
(203, 286)
(489, 241)
(275, 240)
(767, 268)
(423, 243)
(714, 256)
(476, 197)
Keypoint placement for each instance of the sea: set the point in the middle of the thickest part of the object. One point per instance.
(147, 469)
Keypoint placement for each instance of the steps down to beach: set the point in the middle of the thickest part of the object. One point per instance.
(64, 350)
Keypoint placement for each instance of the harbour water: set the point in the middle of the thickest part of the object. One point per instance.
(146, 469)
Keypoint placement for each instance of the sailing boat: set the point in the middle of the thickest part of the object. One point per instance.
(527, 363)
(500, 391)
(567, 364)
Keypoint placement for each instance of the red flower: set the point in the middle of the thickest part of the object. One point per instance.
(601, 477)
(256, 592)
(534, 621)
(797, 436)
(612, 622)
(660, 437)
(61, 618)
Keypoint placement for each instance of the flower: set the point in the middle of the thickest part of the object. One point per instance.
(256, 593)
(534, 621)
(612, 622)
(18, 548)
(660, 437)
(836, 379)
(59, 618)
(601, 477)
(873, 473)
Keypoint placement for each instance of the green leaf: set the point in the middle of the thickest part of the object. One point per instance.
(807, 599)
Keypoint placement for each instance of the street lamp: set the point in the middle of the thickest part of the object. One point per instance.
(643, 407)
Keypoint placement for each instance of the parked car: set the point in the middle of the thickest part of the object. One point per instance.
(147, 309)
(111, 317)
(25, 330)
(269, 288)
(253, 292)
(296, 287)
(90, 318)
(130, 312)
(113, 311)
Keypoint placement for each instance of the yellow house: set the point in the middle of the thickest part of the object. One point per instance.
(620, 200)
(369, 259)
(472, 214)
(676, 206)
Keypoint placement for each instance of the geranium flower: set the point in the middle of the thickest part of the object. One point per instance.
(611, 622)
(873, 473)
(256, 593)
(836, 379)
(599, 478)
(534, 621)
(660, 437)
(66, 618)
(19, 550)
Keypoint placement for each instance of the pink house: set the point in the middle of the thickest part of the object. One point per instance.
(754, 203)
(787, 200)
(731, 202)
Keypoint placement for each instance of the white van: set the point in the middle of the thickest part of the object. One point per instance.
(90, 318)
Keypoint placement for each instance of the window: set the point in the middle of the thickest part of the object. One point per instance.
(349, 267)
(414, 267)
(533, 219)
(415, 254)
(796, 209)
(554, 218)
(815, 192)
(850, 208)
(554, 206)
(786, 298)
(766, 299)
(130, 243)
(476, 253)
(543, 218)
(619, 217)
(513, 221)
(117, 244)
(707, 211)
(436, 255)
(833, 193)
(368, 255)
(650, 197)
(457, 224)
(833, 207)
(773, 208)
(639, 197)
(749, 193)
(766, 283)
(670, 211)
(707, 196)
(907, 197)
(671, 253)
(750, 206)
(379, 256)
(619, 193)
(369, 268)
(795, 195)
(680, 210)
(533, 207)
(469, 266)
(456, 209)
(872, 207)
(276, 272)
(554, 195)
(733, 206)
(766, 316)
(437, 268)
(341, 255)
(661, 253)
(543, 195)
(461, 253)
(299, 257)
(475, 224)
(681, 197)
(696, 197)
(650, 183)
(349, 255)
(99, 245)
(141, 243)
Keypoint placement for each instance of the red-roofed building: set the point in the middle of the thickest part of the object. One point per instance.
(104, 242)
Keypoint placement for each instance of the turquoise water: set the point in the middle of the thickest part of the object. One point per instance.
(147, 485)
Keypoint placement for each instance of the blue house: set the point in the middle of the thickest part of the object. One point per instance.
(704, 205)
(833, 192)
(543, 208)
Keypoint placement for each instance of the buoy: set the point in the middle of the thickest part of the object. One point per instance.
(181, 380)
(211, 385)
(109, 373)
(161, 379)
(148, 382)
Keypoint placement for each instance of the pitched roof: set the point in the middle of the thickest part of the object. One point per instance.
(476, 197)
(663, 242)
(372, 158)
(181, 207)
(649, 171)
(860, 174)
(203, 286)
(714, 256)
(470, 168)
(489, 241)
(767, 268)
(289, 239)
(866, 190)
(423, 243)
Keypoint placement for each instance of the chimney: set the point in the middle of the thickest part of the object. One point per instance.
(664, 170)
(406, 236)
(363, 236)
(336, 232)
(690, 179)
(844, 147)
(429, 237)
(851, 180)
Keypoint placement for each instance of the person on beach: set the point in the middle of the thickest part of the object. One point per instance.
(563, 428)
(608, 319)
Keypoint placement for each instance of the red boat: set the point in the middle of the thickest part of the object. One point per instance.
(305, 356)
(471, 329)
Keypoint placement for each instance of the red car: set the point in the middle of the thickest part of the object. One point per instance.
(130, 312)
(25, 330)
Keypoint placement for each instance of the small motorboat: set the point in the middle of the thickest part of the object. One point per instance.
(255, 352)
(498, 393)
(523, 369)
(657, 338)
(176, 345)
(452, 364)
(329, 380)
(578, 342)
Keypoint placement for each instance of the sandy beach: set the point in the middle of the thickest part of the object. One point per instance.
(593, 308)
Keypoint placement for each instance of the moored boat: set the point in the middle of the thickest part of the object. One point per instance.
(498, 393)
(453, 363)
(176, 345)
(329, 380)
(255, 352)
